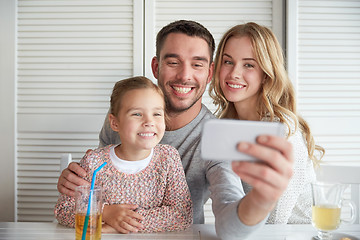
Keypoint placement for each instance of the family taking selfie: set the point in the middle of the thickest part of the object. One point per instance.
(158, 119)
(156, 179)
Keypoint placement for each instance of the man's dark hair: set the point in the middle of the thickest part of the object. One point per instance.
(188, 27)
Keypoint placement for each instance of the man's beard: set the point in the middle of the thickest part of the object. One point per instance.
(173, 110)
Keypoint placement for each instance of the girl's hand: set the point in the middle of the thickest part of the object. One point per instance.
(107, 229)
(122, 218)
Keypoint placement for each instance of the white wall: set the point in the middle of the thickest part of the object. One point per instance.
(7, 110)
(324, 60)
(69, 55)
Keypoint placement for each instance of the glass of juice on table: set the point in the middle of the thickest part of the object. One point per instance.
(327, 201)
(95, 215)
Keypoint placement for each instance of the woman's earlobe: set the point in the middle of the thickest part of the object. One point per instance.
(264, 79)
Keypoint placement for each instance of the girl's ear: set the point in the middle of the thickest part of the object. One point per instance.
(114, 124)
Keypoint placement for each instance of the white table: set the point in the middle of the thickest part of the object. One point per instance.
(51, 231)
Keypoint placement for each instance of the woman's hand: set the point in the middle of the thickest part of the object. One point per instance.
(268, 177)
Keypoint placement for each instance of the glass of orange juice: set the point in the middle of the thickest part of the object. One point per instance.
(95, 217)
(327, 202)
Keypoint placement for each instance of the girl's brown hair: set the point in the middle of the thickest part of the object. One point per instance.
(126, 85)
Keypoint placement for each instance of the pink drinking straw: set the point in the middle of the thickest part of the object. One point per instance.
(86, 221)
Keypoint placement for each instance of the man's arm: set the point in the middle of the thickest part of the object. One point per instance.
(70, 178)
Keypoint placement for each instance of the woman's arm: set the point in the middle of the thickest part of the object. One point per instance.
(238, 216)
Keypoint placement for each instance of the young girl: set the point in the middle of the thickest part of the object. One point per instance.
(251, 83)
(144, 186)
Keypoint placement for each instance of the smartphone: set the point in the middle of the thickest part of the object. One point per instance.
(220, 137)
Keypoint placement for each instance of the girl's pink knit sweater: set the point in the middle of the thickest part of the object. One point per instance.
(160, 190)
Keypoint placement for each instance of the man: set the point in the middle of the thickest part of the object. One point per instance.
(183, 67)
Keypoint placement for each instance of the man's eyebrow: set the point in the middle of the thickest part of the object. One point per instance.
(171, 55)
(174, 55)
(200, 58)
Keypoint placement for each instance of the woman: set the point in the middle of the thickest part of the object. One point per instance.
(251, 83)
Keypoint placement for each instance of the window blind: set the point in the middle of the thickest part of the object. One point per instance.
(329, 75)
(70, 53)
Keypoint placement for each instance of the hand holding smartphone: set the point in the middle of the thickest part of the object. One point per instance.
(220, 137)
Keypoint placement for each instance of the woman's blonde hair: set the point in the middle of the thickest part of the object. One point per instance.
(276, 96)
